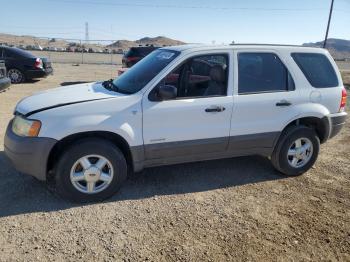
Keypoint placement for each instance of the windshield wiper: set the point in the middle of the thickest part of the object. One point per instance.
(109, 85)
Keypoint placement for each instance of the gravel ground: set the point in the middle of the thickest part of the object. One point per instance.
(234, 209)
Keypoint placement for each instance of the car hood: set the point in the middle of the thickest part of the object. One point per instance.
(62, 96)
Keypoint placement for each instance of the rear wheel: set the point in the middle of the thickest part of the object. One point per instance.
(296, 150)
(91, 170)
(15, 75)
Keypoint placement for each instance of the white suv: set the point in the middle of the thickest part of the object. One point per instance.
(180, 104)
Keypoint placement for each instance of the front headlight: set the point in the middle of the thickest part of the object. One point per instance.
(26, 127)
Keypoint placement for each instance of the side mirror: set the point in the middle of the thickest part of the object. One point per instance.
(167, 92)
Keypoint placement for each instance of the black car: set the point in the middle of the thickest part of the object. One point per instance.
(135, 54)
(22, 65)
(4, 80)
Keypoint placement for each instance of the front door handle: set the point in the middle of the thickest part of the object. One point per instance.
(215, 109)
(283, 103)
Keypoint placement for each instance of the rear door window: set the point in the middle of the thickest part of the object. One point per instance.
(317, 69)
(262, 73)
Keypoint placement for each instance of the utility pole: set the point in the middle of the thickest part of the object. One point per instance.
(86, 32)
(329, 22)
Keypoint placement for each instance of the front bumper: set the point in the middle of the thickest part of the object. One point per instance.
(4, 83)
(29, 155)
(337, 121)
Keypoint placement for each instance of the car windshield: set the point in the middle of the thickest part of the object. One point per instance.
(144, 71)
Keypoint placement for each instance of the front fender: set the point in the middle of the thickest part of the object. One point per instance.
(62, 122)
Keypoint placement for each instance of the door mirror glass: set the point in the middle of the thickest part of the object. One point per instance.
(167, 92)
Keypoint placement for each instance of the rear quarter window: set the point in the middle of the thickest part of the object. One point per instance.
(317, 69)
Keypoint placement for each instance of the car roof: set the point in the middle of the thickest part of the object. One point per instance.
(202, 47)
(19, 51)
(144, 47)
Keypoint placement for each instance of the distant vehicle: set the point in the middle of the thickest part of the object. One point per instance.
(135, 54)
(5, 82)
(181, 104)
(52, 48)
(121, 71)
(69, 49)
(38, 47)
(22, 65)
(29, 47)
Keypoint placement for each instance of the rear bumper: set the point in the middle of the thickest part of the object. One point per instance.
(29, 155)
(38, 73)
(4, 83)
(337, 121)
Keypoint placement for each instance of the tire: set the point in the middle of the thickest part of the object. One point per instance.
(73, 180)
(285, 157)
(16, 76)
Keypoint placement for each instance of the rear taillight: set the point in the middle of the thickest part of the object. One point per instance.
(131, 58)
(343, 100)
(38, 63)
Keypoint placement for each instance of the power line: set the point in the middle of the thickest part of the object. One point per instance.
(188, 7)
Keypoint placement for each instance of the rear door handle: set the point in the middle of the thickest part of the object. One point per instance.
(215, 109)
(283, 103)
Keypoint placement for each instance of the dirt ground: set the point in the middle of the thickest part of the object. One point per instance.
(236, 209)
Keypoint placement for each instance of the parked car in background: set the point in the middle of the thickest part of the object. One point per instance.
(52, 48)
(181, 104)
(22, 65)
(121, 71)
(5, 82)
(135, 54)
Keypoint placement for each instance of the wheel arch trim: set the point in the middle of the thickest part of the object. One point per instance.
(132, 154)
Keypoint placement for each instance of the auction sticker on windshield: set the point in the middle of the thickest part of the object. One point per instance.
(165, 55)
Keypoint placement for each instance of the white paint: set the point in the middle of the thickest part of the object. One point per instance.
(141, 121)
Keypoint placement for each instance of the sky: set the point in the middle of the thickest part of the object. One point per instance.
(195, 21)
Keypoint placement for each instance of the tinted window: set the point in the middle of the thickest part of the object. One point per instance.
(146, 50)
(140, 51)
(201, 76)
(144, 71)
(317, 69)
(131, 52)
(262, 72)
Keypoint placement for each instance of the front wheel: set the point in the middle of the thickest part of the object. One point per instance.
(90, 170)
(296, 150)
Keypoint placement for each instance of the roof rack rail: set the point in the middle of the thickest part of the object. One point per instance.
(263, 44)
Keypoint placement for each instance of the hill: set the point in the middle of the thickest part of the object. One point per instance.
(30, 40)
(25, 40)
(339, 48)
(156, 41)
